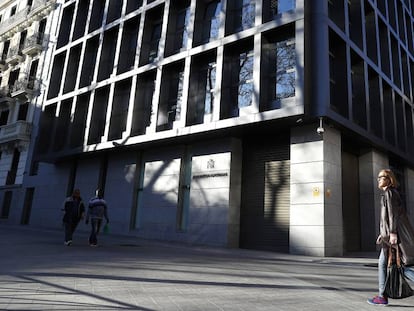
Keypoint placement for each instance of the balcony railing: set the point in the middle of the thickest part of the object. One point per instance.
(14, 56)
(33, 44)
(25, 88)
(23, 18)
(18, 131)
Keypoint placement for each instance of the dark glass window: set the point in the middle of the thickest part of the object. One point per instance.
(245, 80)
(119, 110)
(81, 19)
(375, 110)
(177, 33)
(79, 120)
(285, 73)
(133, 5)
(278, 76)
(241, 14)
(72, 69)
(201, 90)
(359, 108)
(97, 15)
(237, 79)
(65, 25)
(141, 117)
(106, 63)
(273, 8)
(128, 45)
(89, 61)
(338, 75)
(151, 36)
(62, 125)
(371, 32)
(56, 76)
(47, 124)
(355, 21)
(114, 10)
(211, 21)
(155, 41)
(98, 119)
(169, 109)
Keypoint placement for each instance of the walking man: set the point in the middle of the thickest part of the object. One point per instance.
(97, 210)
(74, 211)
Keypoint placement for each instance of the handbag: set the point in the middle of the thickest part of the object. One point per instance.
(396, 286)
(406, 240)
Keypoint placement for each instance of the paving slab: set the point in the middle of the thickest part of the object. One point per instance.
(37, 272)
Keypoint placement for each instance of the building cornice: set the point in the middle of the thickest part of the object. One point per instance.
(24, 18)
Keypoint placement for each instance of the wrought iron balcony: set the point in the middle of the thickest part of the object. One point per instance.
(17, 132)
(25, 88)
(33, 44)
(14, 56)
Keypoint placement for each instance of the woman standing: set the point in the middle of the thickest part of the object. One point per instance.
(394, 229)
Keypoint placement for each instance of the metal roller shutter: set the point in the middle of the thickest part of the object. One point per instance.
(266, 194)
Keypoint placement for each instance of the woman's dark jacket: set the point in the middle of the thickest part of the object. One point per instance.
(394, 220)
(74, 210)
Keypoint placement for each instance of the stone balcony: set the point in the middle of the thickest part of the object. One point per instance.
(15, 134)
(25, 89)
(14, 56)
(33, 44)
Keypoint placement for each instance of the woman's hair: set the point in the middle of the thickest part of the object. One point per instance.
(391, 177)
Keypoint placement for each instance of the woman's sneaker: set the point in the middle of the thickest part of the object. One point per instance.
(378, 301)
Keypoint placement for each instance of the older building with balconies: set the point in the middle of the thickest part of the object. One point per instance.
(24, 27)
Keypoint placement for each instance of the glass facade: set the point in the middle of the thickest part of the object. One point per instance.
(379, 97)
(131, 70)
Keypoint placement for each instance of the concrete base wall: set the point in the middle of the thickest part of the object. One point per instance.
(316, 193)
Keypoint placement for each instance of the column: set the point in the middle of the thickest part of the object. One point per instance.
(316, 192)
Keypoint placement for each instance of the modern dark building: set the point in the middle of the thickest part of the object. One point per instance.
(240, 123)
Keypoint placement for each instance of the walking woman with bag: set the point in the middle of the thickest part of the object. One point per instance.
(395, 231)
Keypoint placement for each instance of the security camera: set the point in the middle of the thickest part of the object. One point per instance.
(320, 130)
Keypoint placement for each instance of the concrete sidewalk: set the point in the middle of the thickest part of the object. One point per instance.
(37, 272)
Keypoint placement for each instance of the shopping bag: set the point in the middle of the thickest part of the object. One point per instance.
(106, 229)
(396, 286)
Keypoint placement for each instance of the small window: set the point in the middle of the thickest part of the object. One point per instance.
(23, 108)
(4, 116)
(13, 10)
